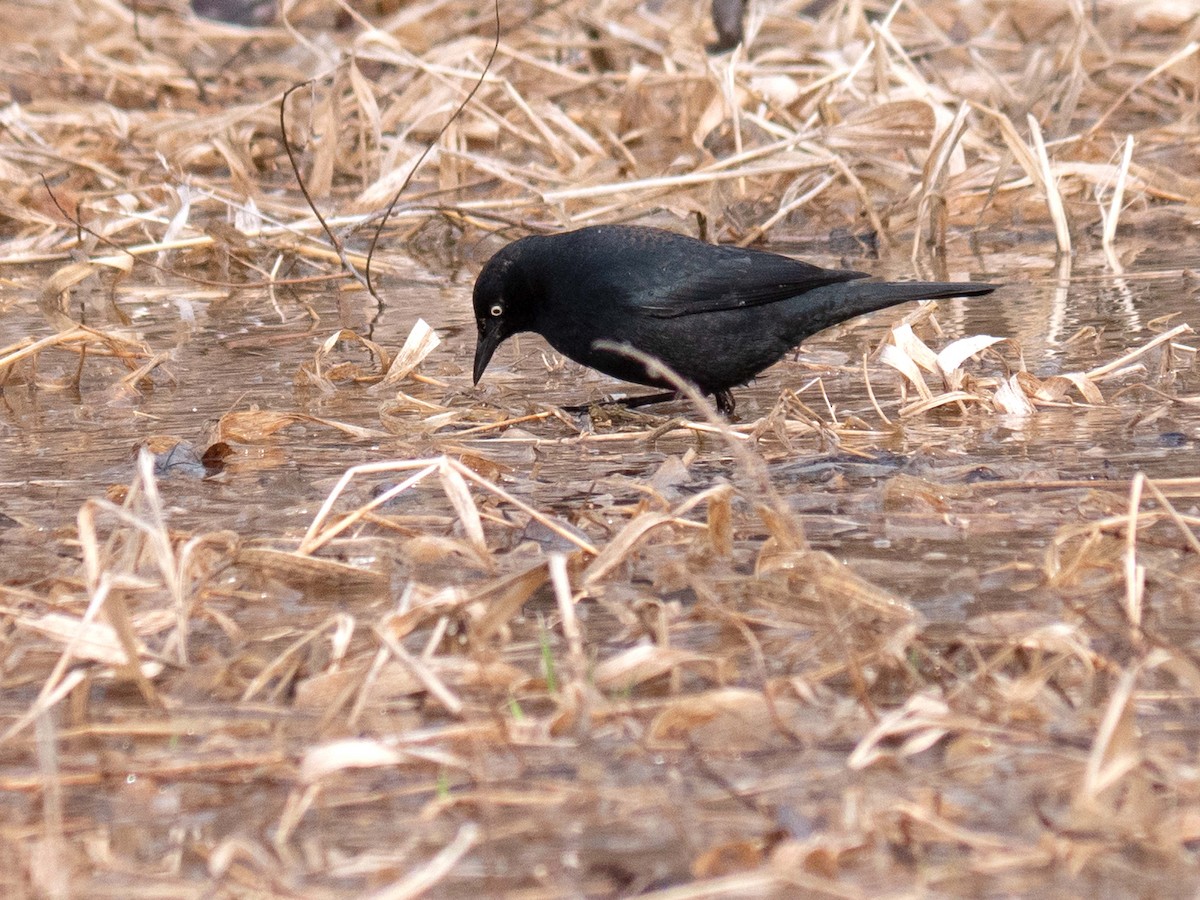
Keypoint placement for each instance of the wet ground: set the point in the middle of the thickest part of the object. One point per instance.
(962, 516)
(64, 442)
(884, 636)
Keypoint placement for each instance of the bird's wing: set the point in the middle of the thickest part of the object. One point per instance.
(735, 279)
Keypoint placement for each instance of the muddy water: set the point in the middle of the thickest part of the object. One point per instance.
(61, 443)
(953, 511)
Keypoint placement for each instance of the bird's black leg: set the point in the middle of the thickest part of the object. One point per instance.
(725, 403)
(629, 402)
(649, 399)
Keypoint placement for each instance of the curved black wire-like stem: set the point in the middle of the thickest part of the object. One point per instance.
(338, 246)
(420, 159)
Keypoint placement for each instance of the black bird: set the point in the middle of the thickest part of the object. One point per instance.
(717, 315)
(727, 19)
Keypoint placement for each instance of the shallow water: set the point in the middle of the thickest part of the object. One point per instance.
(953, 511)
(61, 445)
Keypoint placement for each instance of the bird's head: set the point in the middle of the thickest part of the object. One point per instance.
(504, 302)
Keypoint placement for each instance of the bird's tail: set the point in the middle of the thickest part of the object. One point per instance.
(835, 303)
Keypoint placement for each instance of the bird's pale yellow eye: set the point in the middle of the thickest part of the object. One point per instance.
(497, 310)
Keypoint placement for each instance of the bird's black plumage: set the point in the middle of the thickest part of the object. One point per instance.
(716, 315)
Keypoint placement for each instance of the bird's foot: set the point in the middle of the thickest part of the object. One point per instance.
(649, 399)
(626, 402)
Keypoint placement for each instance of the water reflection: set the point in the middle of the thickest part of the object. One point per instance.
(67, 440)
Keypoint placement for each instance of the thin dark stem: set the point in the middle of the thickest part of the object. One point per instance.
(287, 148)
(420, 159)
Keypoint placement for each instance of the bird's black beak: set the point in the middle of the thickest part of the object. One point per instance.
(490, 337)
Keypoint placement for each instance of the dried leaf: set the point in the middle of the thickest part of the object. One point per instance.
(1011, 400)
(421, 341)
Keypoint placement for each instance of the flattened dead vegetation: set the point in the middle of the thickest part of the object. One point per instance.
(288, 609)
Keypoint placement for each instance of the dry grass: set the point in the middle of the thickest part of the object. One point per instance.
(557, 659)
